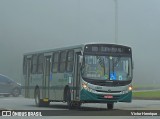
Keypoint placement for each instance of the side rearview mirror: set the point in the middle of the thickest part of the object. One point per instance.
(80, 59)
(132, 64)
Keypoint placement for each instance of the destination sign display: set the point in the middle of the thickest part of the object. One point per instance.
(107, 48)
(111, 49)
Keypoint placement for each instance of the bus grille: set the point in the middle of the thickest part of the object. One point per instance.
(108, 91)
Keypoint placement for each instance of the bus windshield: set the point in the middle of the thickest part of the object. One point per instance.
(106, 68)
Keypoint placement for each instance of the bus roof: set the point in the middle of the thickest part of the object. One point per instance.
(55, 49)
(71, 47)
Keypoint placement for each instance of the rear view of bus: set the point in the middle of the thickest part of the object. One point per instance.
(106, 74)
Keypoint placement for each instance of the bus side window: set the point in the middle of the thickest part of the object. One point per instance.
(34, 64)
(25, 65)
(40, 63)
(70, 59)
(55, 61)
(62, 65)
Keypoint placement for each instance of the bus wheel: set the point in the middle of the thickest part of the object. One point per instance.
(69, 102)
(37, 98)
(110, 105)
(38, 101)
(78, 105)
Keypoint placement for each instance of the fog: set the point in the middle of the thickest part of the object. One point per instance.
(32, 25)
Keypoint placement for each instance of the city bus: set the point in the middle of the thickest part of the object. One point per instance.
(88, 73)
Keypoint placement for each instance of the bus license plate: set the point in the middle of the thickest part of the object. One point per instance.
(108, 96)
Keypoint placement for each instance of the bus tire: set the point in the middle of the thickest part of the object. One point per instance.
(78, 105)
(110, 105)
(68, 99)
(37, 98)
(39, 102)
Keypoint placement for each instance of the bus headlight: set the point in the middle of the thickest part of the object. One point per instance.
(130, 88)
(84, 85)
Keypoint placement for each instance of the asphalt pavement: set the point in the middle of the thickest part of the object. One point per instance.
(58, 109)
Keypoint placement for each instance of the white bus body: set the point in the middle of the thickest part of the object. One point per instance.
(100, 73)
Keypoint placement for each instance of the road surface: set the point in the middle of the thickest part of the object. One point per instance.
(96, 110)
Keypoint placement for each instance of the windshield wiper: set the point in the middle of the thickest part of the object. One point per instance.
(101, 62)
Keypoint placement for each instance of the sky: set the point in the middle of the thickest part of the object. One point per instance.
(32, 25)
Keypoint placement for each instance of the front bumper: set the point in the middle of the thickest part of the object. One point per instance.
(86, 96)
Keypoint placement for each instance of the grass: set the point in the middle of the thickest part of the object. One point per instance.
(147, 95)
(146, 86)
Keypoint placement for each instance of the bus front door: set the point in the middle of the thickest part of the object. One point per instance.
(28, 78)
(46, 80)
(77, 77)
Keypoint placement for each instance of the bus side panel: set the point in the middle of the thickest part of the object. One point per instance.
(51, 88)
(36, 80)
(62, 79)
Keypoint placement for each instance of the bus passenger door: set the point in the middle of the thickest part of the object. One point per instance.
(46, 80)
(28, 78)
(77, 76)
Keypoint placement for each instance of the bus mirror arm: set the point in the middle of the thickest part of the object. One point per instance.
(132, 64)
(80, 59)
